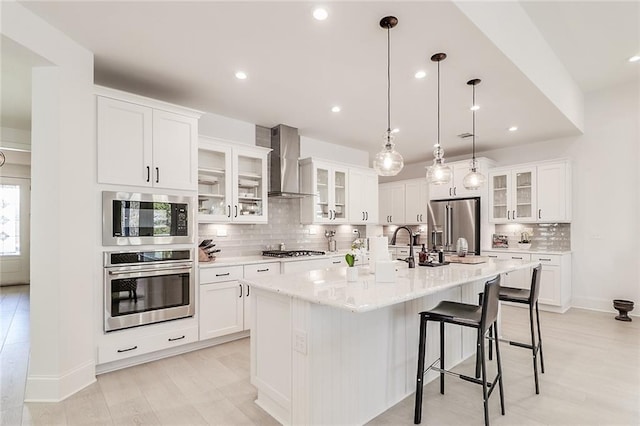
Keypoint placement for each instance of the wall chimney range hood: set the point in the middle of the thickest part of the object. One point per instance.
(283, 163)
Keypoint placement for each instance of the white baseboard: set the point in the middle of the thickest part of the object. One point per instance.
(57, 388)
(601, 305)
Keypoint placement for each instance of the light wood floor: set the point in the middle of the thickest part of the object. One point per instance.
(592, 378)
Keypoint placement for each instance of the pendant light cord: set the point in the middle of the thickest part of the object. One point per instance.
(438, 103)
(473, 125)
(388, 79)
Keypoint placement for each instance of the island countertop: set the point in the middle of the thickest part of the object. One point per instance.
(330, 286)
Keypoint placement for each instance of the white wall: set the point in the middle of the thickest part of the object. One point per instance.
(319, 149)
(218, 126)
(63, 273)
(605, 226)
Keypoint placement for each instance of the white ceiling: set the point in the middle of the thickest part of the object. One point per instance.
(187, 53)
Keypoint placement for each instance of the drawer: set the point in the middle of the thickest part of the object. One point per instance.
(223, 273)
(547, 259)
(262, 269)
(123, 345)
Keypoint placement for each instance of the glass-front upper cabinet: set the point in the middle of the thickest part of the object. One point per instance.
(512, 195)
(232, 182)
(328, 182)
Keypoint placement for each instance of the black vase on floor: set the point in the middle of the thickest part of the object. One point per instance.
(623, 307)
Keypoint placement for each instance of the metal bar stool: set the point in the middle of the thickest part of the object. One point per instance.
(530, 298)
(466, 315)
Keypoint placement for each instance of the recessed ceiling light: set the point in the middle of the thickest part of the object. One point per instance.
(634, 58)
(420, 74)
(513, 128)
(335, 109)
(475, 107)
(320, 14)
(396, 130)
(241, 75)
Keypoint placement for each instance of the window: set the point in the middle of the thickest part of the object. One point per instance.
(9, 220)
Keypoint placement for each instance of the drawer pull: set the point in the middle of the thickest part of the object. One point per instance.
(517, 258)
(548, 260)
(262, 270)
(222, 275)
(494, 256)
(337, 262)
(173, 339)
(127, 350)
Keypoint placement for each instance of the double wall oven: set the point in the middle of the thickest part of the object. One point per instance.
(155, 283)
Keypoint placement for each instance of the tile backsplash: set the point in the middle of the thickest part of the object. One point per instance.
(544, 236)
(284, 227)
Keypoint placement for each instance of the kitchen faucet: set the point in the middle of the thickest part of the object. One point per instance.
(410, 260)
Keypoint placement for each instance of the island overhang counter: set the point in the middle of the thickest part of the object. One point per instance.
(327, 351)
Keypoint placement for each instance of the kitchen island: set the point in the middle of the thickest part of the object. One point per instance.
(327, 351)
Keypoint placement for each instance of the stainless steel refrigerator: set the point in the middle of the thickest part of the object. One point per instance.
(449, 220)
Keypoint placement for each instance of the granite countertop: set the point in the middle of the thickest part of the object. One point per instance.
(251, 260)
(531, 251)
(330, 287)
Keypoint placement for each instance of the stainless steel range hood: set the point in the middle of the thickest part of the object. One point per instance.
(283, 162)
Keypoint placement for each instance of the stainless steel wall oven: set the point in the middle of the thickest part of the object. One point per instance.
(146, 287)
(134, 219)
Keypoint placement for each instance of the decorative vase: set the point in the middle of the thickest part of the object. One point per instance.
(623, 307)
(352, 274)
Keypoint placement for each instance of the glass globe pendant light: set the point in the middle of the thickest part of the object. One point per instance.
(388, 162)
(439, 173)
(474, 179)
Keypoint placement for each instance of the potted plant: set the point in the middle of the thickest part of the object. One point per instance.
(525, 241)
(352, 273)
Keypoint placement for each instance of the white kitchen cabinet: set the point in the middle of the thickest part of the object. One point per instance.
(512, 195)
(554, 192)
(221, 301)
(363, 196)
(455, 188)
(391, 200)
(555, 281)
(232, 182)
(122, 344)
(416, 196)
(328, 182)
(141, 144)
(253, 271)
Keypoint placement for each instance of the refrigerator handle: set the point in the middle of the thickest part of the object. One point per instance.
(448, 230)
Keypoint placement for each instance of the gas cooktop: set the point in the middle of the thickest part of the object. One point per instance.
(291, 253)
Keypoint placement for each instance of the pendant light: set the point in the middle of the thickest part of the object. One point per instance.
(473, 179)
(388, 162)
(438, 174)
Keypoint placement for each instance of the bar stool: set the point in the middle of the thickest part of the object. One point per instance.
(530, 298)
(466, 315)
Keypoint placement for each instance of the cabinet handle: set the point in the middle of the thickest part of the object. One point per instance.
(229, 207)
(417, 218)
(539, 213)
(508, 214)
(390, 218)
(148, 173)
(240, 285)
(454, 190)
(337, 262)
(248, 290)
(363, 216)
(514, 215)
(548, 260)
(449, 192)
(367, 215)
(421, 218)
(517, 258)
(157, 174)
(128, 349)
(173, 339)
(262, 270)
(235, 211)
(222, 275)
(495, 257)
